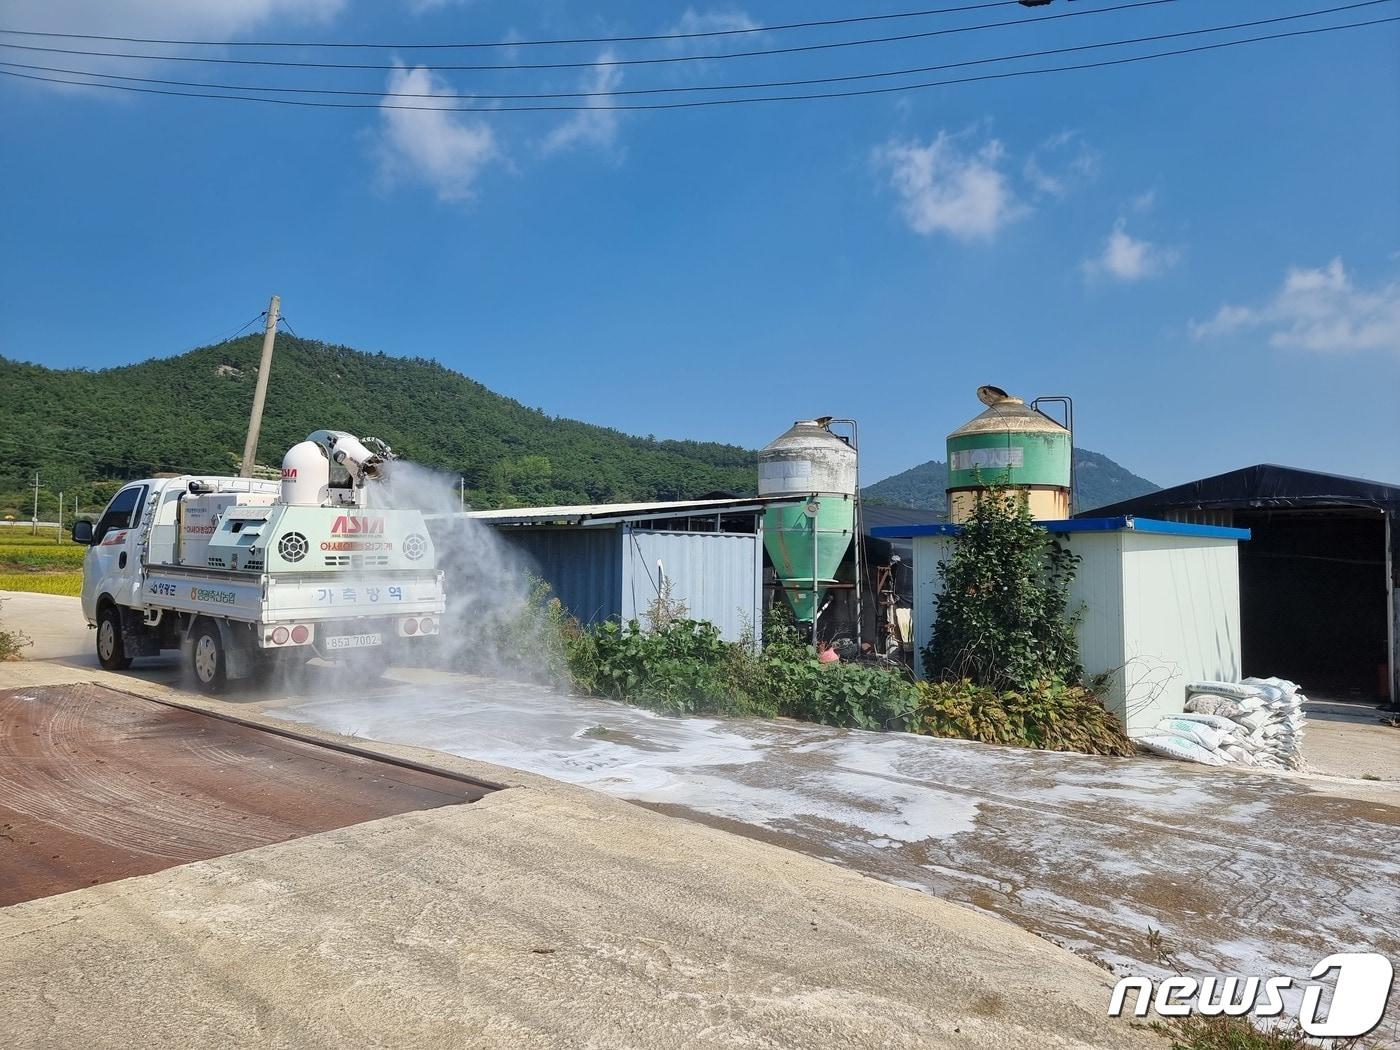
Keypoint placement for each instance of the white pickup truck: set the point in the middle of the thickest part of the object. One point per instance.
(239, 573)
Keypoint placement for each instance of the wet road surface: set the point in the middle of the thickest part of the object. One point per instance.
(1241, 873)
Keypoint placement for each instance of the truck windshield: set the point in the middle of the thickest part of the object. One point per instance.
(121, 513)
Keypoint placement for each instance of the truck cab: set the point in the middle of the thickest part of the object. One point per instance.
(113, 546)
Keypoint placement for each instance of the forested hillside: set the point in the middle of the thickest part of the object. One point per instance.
(1097, 481)
(190, 413)
(85, 432)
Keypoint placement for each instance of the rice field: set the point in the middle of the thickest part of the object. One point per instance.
(39, 563)
(69, 583)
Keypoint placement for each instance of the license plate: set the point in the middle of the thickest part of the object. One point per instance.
(353, 641)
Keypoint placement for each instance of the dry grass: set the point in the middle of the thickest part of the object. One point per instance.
(1235, 1033)
(11, 641)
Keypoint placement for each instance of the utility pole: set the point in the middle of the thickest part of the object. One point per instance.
(60, 517)
(250, 448)
(35, 520)
(461, 493)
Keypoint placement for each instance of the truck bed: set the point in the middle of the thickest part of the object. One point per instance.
(257, 597)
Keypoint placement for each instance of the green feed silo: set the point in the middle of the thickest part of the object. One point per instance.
(807, 542)
(1010, 444)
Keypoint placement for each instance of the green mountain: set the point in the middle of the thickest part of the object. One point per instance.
(84, 431)
(1097, 481)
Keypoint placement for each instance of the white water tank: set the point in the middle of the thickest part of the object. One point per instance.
(306, 474)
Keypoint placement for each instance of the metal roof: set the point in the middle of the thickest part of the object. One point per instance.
(614, 513)
(1264, 486)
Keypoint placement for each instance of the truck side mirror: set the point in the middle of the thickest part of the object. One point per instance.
(82, 533)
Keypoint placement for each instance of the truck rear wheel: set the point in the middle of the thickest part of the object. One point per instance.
(111, 649)
(207, 660)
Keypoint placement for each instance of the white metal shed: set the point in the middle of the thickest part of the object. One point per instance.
(1159, 604)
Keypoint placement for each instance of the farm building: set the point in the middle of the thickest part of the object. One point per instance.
(1159, 604)
(609, 561)
(1318, 580)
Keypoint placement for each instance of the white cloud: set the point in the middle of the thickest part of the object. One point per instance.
(1061, 163)
(945, 189)
(186, 19)
(1320, 310)
(1126, 258)
(423, 7)
(595, 126)
(163, 17)
(447, 151)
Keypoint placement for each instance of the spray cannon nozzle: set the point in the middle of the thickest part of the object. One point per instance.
(362, 459)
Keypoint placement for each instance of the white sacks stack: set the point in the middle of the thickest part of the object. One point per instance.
(1258, 722)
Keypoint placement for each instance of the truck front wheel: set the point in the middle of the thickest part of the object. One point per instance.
(111, 649)
(207, 661)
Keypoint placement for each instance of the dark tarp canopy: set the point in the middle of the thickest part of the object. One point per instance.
(1313, 587)
(1263, 486)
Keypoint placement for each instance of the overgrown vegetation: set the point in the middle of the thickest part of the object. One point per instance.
(1003, 664)
(1003, 614)
(685, 667)
(678, 665)
(11, 641)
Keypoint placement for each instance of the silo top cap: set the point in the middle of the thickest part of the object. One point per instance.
(1007, 414)
(806, 434)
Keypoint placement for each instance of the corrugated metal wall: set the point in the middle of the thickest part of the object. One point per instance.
(718, 576)
(582, 566)
(928, 552)
(609, 572)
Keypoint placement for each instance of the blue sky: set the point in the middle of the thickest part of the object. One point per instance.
(1203, 251)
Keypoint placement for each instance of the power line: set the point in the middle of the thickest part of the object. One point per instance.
(703, 103)
(695, 35)
(664, 60)
(238, 331)
(716, 87)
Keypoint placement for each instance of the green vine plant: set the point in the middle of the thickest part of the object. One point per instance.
(1003, 615)
(1003, 663)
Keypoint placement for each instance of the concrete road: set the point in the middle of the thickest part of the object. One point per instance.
(1250, 874)
(542, 916)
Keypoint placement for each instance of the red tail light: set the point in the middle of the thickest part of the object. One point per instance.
(300, 634)
(410, 627)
